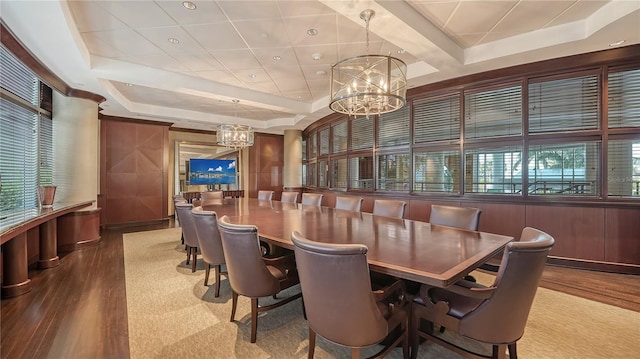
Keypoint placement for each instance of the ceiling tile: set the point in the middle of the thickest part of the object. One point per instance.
(160, 37)
(236, 59)
(477, 16)
(328, 54)
(265, 33)
(303, 8)
(90, 16)
(529, 16)
(205, 12)
(287, 56)
(579, 11)
(437, 12)
(128, 42)
(326, 25)
(245, 10)
(219, 36)
(129, 12)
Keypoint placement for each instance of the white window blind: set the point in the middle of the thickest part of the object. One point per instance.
(324, 142)
(361, 133)
(493, 113)
(394, 128)
(339, 134)
(436, 119)
(494, 170)
(18, 79)
(564, 169)
(436, 171)
(564, 105)
(624, 168)
(624, 99)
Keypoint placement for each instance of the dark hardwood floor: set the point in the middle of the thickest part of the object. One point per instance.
(78, 309)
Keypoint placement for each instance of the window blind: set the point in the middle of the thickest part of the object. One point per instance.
(339, 133)
(493, 113)
(339, 173)
(18, 79)
(564, 169)
(394, 128)
(45, 141)
(436, 119)
(436, 171)
(324, 142)
(624, 99)
(361, 133)
(19, 159)
(493, 170)
(361, 172)
(624, 168)
(313, 145)
(564, 105)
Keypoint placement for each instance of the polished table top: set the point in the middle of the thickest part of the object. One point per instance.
(414, 250)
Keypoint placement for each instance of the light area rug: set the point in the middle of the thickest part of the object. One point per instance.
(171, 314)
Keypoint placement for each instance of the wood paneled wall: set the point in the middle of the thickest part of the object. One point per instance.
(266, 162)
(133, 171)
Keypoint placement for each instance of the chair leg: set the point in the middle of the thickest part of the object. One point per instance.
(499, 352)
(513, 354)
(234, 303)
(216, 272)
(355, 353)
(312, 343)
(405, 341)
(195, 258)
(188, 254)
(254, 319)
(415, 338)
(207, 269)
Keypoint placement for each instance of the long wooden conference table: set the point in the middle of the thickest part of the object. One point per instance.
(413, 250)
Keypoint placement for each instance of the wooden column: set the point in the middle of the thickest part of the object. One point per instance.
(15, 271)
(48, 244)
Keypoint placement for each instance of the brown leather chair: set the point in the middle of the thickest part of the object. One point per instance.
(289, 197)
(313, 199)
(349, 203)
(339, 302)
(389, 208)
(210, 244)
(458, 217)
(211, 197)
(265, 195)
(497, 314)
(190, 236)
(252, 275)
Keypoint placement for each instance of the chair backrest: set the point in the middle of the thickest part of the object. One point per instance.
(265, 195)
(336, 288)
(502, 318)
(314, 199)
(248, 274)
(289, 197)
(349, 203)
(206, 223)
(183, 209)
(389, 208)
(458, 217)
(210, 197)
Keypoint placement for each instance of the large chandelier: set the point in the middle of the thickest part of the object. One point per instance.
(368, 84)
(236, 136)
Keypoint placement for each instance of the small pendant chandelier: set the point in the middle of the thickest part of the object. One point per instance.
(235, 136)
(368, 84)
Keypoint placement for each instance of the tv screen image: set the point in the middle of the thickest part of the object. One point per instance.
(209, 171)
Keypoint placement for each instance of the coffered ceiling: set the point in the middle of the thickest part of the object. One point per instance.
(162, 61)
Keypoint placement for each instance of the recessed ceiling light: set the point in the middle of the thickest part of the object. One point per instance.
(401, 51)
(316, 57)
(189, 5)
(617, 43)
(321, 72)
(128, 84)
(173, 40)
(253, 76)
(277, 58)
(312, 32)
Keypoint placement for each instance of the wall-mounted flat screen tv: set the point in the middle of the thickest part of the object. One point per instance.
(210, 171)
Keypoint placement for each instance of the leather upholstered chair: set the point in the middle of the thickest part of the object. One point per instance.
(252, 275)
(313, 199)
(497, 314)
(206, 223)
(210, 197)
(349, 203)
(177, 198)
(189, 233)
(339, 302)
(458, 217)
(289, 197)
(265, 195)
(389, 208)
